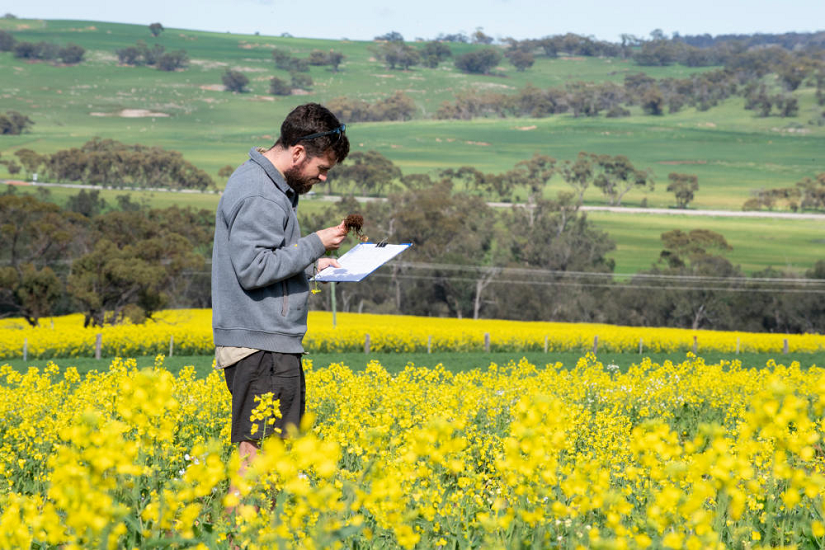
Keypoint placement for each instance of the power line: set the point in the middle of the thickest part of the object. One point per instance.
(606, 275)
(486, 269)
(616, 285)
(770, 283)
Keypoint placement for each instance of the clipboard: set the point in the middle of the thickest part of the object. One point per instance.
(360, 261)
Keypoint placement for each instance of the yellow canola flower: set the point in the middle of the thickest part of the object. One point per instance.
(672, 455)
(190, 332)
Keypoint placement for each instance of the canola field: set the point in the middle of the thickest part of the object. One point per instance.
(688, 455)
(190, 331)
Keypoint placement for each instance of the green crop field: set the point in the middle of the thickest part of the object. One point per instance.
(757, 243)
(452, 361)
(732, 151)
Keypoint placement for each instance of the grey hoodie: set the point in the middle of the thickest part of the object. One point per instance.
(260, 262)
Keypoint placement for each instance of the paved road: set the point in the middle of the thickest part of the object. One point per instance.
(616, 209)
(670, 211)
(725, 213)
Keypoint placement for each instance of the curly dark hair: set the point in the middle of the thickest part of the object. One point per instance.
(314, 118)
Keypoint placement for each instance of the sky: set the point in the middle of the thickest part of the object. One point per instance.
(366, 19)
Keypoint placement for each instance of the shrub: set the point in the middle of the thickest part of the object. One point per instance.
(303, 81)
(278, 86)
(14, 123)
(173, 60)
(235, 81)
(6, 41)
(71, 54)
(318, 58)
(478, 62)
(399, 106)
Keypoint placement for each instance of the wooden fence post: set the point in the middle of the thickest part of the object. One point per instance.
(596, 344)
(171, 345)
(695, 344)
(487, 342)
(545, 344)
(367, 344)
(641, 347)
(430, 343)
(98, 344)
(785, 347)
(737, 345)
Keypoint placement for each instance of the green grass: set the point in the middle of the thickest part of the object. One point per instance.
(758, 243)
(453, 362)
(732, 151)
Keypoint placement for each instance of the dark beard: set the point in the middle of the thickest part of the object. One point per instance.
(300, 184)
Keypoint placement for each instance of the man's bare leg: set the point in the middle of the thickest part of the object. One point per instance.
(247, 450)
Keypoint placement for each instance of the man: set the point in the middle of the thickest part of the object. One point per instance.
(261, 266)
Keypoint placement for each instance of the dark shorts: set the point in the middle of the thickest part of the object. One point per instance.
(260, 373)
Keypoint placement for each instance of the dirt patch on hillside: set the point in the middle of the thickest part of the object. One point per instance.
(676, 162)
(213, 87)
(102, 57)
(792, 130)
(247, 46)
(525, 128)
(133, 113)
(487, 85)
(481, 143)
(262, 98)
(207, 63)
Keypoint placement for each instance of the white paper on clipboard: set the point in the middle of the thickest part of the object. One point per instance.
(360, 261)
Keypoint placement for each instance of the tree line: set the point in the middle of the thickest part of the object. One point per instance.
(540, 261)
(806, 194)
(397, 107)
(788, 40)
(704, 50)
(546, 261)
(372, 174)
(397, 54)
(110, 162)
(110, 262)
(155, 56)
(69, 54)
(748, 75)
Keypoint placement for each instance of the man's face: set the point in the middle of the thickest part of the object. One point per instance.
(309, 171)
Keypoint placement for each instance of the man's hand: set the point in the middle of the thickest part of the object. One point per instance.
(325, 262)
(332, 237)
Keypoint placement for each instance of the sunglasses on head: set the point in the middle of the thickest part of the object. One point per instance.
(339, 131)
